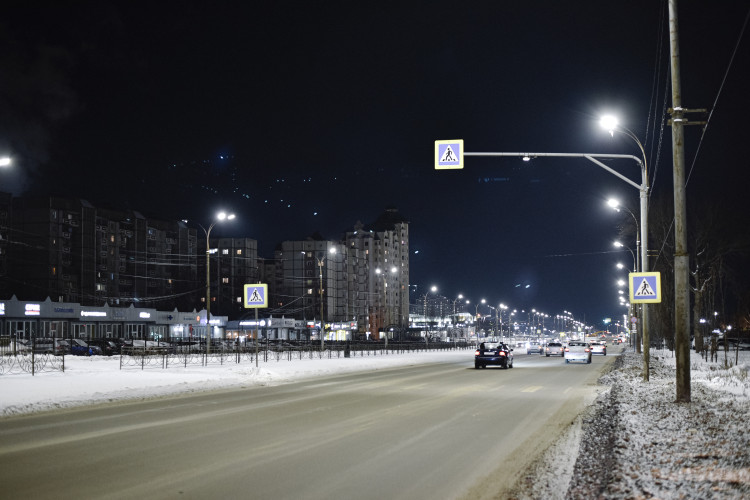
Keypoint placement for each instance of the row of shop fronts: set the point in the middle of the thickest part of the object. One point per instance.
(28, 319)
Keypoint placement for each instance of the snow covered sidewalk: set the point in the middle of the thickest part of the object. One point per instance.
(636, 442)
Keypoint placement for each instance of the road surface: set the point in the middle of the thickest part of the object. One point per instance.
(442, 430)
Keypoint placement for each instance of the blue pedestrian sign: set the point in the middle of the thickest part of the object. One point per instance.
(644, 287)
(449, 154)
(256, 296)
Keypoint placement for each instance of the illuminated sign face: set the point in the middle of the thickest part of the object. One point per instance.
(94, 313)
(33, 310)
(2, 308)
(144, 315)
(253, 323)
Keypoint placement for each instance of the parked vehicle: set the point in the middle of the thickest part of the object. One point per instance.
(493, 353)
(578, 351)
(554, 349)
(46, 345)
(80, 348)
(107, 347)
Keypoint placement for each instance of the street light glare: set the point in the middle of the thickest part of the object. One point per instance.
(224, 216)
(4, 161)
(613, 203)
(609, 123)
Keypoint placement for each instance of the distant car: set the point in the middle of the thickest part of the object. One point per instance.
(493, 353)
(80, 348)
(554, 349)
(599, 348)
(107, 347)
(46, 345)
(534, 347)
(578, 351)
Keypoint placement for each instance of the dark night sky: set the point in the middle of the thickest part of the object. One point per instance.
(310, 116)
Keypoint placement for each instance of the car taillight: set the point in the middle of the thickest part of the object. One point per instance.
(586, 350)
(477, 353)
(567, 350)
(501, 353)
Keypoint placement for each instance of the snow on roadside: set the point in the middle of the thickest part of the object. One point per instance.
(101, 380)
(636, 442)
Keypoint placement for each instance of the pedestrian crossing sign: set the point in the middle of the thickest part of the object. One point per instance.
(449, 154)
(644, 287)
(256, 296)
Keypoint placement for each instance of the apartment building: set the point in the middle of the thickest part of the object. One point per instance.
(361, 279)
(71, 251)
(234, 263)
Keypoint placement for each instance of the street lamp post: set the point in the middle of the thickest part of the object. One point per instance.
(610, 123)
(503, 307)
(476, 315)
(332, 250)
(643, 322)
(379, 271)
(220, 217)
(616, 205)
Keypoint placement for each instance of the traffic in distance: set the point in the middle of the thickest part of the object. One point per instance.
(495, 352)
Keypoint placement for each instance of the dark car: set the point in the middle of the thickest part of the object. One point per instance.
(108, 347)
(493, 353)
(81, 348)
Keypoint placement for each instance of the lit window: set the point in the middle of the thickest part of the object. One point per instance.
(239, 252)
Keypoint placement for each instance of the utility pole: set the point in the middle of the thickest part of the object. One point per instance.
(681, 257)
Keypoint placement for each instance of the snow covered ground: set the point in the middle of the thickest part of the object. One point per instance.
(99, 379)
(634, 441)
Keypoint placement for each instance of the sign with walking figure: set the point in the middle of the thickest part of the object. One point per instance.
(449, 154)
(256, 296)
(644, 287)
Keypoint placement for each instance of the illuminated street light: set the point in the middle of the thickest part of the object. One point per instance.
(615, 204)
(331, 250)
(5, 161)
(220, 217)
(612, 125)
(620, 245)
(379, 271)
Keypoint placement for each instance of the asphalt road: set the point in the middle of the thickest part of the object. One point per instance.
(441, 430)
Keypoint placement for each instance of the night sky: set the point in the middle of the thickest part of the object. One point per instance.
(311, 116)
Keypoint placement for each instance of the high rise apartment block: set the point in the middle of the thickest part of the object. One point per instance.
(72, 251)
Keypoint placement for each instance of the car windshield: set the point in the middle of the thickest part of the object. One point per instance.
(489, 346)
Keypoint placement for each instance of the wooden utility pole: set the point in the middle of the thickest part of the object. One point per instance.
(681, 257)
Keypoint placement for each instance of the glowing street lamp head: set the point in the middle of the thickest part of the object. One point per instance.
(609, 123)
(613, 203)
(4, 161)
(224, 216)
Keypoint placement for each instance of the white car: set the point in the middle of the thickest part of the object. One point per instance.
(554, 349)
(578, 351)
(534, 347)
(599, 348)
